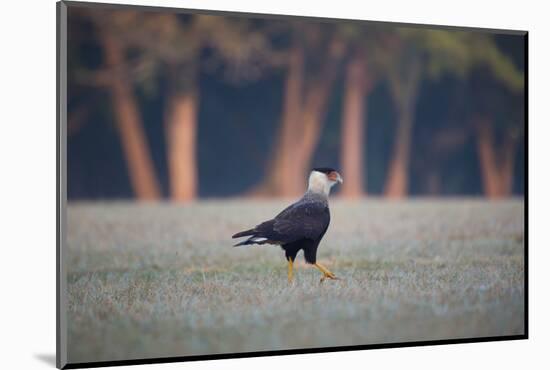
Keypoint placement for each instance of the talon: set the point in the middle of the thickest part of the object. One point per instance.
(329, 275)
(326, 273)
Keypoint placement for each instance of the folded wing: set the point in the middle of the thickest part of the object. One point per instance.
(302, 220)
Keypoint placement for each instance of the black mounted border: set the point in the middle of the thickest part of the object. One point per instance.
(61, 192)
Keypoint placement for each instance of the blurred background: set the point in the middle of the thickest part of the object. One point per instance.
(179, 107)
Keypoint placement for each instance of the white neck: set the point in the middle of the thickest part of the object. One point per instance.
(319, 183)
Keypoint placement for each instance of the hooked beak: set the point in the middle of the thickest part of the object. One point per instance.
(338, 178)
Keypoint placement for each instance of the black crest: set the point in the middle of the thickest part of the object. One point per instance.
(325, 170)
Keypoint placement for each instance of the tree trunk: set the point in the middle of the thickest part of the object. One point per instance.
(497, 175)
(305, 134)
(489, 172)
(282, 172)
(508, 162)
(312, 117)
(398, 178)
(353, 121)
(405, 92)
(134, 143)
(299, 132)
(181, 133)
(282, 161)
(309, 131)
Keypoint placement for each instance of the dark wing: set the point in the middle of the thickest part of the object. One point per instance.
(302, 220)
(308, 220)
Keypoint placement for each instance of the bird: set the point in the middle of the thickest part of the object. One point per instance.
(300, 226)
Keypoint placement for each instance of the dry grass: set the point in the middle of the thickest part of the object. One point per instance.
(163, 280)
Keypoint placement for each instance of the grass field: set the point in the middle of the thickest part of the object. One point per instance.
(163, 280)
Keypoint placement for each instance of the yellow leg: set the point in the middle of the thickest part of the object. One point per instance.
(290, 271)
(326, 273)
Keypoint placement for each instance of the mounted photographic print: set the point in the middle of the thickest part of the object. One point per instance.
(235, 185)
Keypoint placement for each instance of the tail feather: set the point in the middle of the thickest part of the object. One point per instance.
(246, 242)
(254, 238)
(243, 233)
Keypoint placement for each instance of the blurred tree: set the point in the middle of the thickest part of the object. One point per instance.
(497, 120)
(117, 78)
(174, 45)
(404, 78)
(357, 87)
(421, 53)
(170, 46)
(149, 50)
(234, 43)
(497, 167)
(307, 90)
(363, 67)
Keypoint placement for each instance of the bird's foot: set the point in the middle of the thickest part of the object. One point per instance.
(326, 273)
(329, 275)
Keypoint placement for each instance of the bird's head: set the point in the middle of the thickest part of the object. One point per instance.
(321, 179)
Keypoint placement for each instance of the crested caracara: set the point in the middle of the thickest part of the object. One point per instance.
(302, 225)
